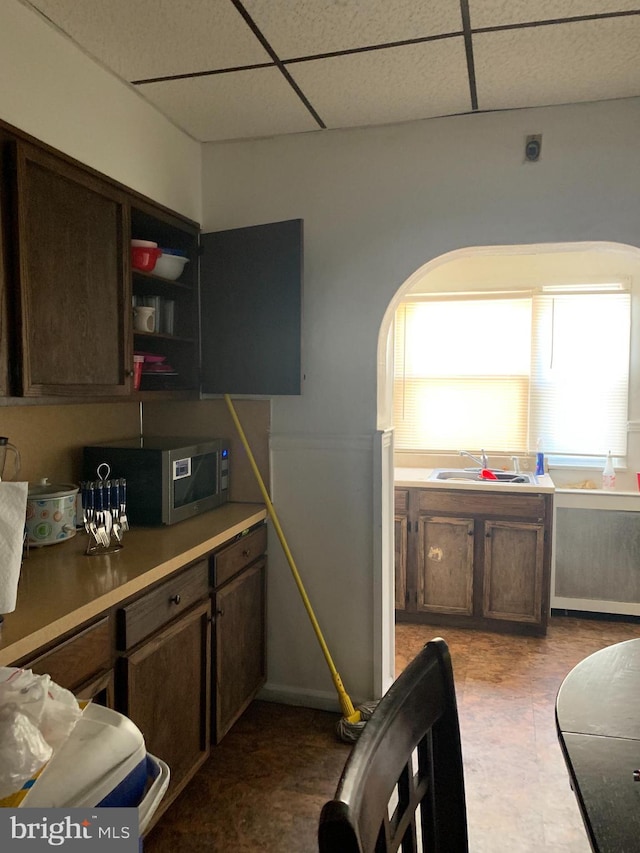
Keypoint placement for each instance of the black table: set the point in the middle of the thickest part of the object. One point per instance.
(598, 722)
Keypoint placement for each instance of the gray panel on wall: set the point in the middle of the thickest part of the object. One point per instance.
(598, 554)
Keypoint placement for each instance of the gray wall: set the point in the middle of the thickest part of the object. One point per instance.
(378, 204)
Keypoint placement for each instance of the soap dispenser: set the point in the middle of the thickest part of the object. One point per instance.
(609, 474)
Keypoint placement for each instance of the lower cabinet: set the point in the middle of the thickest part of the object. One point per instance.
(444, 580)
(167, 694)
(182, 659)
(508, 594)
(239, 615)
(163, 671)
(475, 558)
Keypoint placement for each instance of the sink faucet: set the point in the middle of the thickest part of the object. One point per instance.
(483, 462)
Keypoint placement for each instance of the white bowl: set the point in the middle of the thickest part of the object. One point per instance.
(170, 266)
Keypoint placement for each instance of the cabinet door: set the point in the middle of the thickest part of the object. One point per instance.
(401, 534)
(75, 326)
(445, 565)
(240, 658)
(251, 303)
(401, 538)
(5, 266)
(99, 690)
(166, 693)
(513, 571)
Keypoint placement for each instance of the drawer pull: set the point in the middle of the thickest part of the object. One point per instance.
(175, 599)
(246, 552)
(220, 612)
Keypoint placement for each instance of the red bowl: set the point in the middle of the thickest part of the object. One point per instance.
(144, 258)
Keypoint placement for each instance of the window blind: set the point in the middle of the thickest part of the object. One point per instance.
(462, 374)
(580, 373)
(501, 373)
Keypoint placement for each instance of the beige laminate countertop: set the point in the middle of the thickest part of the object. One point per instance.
(412, 477)
(60, 588)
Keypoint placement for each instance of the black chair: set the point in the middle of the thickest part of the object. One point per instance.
(402, 787)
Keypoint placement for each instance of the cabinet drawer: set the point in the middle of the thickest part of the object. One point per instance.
(235, 557)
(498, 505)
(74, 661)
(156, 608)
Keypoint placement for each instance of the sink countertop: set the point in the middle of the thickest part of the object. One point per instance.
(61, 588)
(411, 477)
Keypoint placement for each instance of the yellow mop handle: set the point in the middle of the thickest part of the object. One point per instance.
(346, 704)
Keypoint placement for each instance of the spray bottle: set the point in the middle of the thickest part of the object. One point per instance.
(539, 460)
(609, 474)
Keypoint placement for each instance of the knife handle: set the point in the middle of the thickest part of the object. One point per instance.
(106, 495)
(99, 502)
(115, 495)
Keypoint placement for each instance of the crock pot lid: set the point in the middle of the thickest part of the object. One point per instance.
(45, 489)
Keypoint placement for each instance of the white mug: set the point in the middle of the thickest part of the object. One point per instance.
(144, 319)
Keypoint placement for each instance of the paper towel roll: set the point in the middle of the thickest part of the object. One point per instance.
(13, 512)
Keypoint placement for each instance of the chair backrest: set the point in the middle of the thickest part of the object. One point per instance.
(402, 787)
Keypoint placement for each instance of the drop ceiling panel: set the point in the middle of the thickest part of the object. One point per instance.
(384, 86)
(493, 13)
(308, 27)
(581, 61)
(244, 104)
(157, 38)
(335, 52)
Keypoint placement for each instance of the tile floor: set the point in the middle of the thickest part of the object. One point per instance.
(264, 785)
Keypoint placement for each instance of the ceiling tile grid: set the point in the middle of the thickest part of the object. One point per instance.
(582, 61)
(139, 39)
(500, 13)
(296, 28)
(252, 103)
(233, 69)
(383, 87)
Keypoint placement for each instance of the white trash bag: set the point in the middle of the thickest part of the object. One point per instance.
(36, 718)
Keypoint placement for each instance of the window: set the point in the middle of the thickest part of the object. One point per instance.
(501, 371)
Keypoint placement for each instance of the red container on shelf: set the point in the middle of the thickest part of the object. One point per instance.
(138, 361)
(144, 258)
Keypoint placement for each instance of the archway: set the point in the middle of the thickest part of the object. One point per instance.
(478, 268)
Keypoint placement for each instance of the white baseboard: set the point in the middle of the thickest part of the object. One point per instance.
(590, 605)
(285, 695)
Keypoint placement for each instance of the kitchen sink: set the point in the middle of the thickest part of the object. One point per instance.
(460, 475)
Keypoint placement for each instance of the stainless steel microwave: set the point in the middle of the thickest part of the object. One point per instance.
(167, 479)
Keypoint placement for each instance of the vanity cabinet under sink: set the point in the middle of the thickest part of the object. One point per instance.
(473, 558)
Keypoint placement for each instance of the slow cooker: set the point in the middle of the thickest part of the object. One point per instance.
(51, 512)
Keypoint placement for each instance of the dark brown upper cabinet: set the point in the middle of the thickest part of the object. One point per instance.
(251, 309)
(230, 323)
(71, 269)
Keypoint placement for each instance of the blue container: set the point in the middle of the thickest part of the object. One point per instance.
(129, 792)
